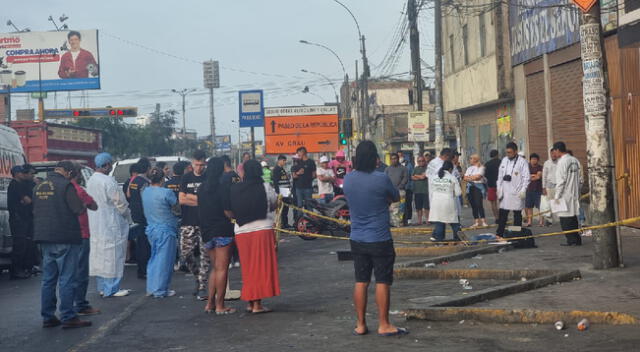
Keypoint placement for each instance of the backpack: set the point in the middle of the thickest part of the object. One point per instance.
(520, 243)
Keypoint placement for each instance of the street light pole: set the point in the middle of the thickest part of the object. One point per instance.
(365, 73)
(183, 93)
(335, 92)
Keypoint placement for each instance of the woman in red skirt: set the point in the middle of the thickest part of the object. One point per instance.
(253, 203)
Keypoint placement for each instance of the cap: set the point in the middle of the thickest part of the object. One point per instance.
(324, 159)
(66, 165)
(263, 163)
(102, 159)
(18, 169)
(340, 154)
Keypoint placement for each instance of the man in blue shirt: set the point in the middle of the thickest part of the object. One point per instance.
(369, 194)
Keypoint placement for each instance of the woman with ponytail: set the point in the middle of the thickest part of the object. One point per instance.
(162, 231)
(445, 191)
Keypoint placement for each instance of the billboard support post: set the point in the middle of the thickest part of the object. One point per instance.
(253, 143)
(211, 73)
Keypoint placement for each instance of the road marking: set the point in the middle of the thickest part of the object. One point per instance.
(110, 325)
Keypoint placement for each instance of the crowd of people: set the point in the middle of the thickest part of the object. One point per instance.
(206, 216)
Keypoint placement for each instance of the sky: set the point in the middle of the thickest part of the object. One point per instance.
(147, 48)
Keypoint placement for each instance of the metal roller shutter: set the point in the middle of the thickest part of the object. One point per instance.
(536, 116)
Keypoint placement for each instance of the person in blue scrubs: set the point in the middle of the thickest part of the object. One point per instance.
(162, 231)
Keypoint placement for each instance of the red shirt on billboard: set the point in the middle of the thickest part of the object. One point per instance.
(77, 62)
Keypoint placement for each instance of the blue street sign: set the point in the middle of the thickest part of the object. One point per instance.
(251, 108)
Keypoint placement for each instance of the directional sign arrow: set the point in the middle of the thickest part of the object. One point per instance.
(273, 126)
(327, 142)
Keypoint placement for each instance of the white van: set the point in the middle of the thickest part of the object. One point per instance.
(121, 168)
(11, 154)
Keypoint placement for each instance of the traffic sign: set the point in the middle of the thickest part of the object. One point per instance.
(585, 5)
(251, 106)
(313, 127)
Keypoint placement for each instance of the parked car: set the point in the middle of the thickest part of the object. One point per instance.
(121, 168)
(11, 154)
(44, 167)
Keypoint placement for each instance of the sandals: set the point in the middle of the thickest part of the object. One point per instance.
(398, 332)
(264, 310)
(226, 311)
(356, 333)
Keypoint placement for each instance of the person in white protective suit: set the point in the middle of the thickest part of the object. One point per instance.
(568, 182)
(513, 179)
(109, 227)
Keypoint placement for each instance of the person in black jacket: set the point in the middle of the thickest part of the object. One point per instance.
(19, 204)
(281, 181)
(134, 195)
(56, 208)
(217, 233)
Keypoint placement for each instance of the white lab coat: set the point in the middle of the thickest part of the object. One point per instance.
(109, 226)
(444, 198)
(568, 182)
(549, 174)
(512, 194)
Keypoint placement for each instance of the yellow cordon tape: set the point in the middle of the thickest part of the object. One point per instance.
(558, 233)
(404, 231)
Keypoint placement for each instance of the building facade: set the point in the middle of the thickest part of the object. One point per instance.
(478, 83)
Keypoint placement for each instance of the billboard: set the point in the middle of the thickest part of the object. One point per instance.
(540, 27)
(251, 105)
(313, 127)
(418, 122)
(51, 61)
(223, 143)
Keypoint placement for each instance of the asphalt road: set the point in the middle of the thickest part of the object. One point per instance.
(314, 313)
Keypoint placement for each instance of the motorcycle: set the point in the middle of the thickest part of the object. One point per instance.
(309, 223)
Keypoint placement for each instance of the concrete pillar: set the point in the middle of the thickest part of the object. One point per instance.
(547, 102)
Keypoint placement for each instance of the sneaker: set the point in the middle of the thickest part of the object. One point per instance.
(202, 295)
(432, 239)
(89, 311)
(236, 264)
(121, 293)
(171, 293)
(75, 323)
(51, 323)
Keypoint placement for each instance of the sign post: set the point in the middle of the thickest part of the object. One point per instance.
(211, 73)
(251, 105)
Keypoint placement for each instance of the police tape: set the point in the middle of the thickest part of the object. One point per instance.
(410, 231)
(467, 242)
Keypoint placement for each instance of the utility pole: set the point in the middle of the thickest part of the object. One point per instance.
(365, 89)
(439, 121)
(183, 93)
(601, 210)
(212, 122)
(414, 43)
(211, 74)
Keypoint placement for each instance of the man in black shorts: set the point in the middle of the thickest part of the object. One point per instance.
(369, 194)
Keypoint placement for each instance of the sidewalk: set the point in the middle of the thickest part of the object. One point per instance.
(616, 290)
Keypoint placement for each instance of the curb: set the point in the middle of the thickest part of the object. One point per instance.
(453, 257)
(474, 274)
(505, 290)
(522, 316)
(427, 251)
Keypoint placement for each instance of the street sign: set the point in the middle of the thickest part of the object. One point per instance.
(90, 112)
(585, 5)
(223, 143)
(418, 122)
(38, 95)
(251, 108)
(313, 127)
(211, 71)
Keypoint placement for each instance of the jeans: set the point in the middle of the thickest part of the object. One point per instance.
(408, 207)
(160, 266)
(476, 200)
(108, 286)
(503, 215)
(82, 277)
(439, 231)
(143, 249)
(302, 195)
(59, 266)
(326, 198)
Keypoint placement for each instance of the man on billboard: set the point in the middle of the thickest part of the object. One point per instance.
(77, 62)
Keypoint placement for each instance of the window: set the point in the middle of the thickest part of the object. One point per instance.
(465, 44)
(483, 35)
(452, 54)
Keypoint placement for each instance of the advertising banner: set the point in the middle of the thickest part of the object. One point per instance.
(540, 27)
(251, 107)
(313, 127)
(418, 122)
(223, 143)
(50, 61)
